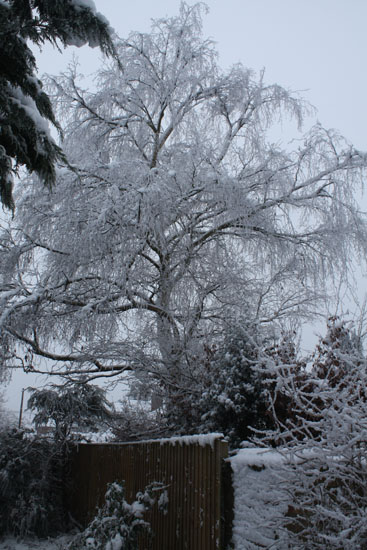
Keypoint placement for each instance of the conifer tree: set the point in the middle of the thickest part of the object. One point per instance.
(230, 392)
(83, 406)
(25, 109)
(235, 402)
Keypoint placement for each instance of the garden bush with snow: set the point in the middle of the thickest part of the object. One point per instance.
(310, 493)
(30, 485)
(117, 524)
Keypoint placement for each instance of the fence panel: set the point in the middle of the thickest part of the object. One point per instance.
(190, 467)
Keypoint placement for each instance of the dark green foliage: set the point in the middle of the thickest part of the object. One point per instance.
(230, 394)
(24, 106)
(81, 405)
(235, 402)
(30, 485)
(118, 523)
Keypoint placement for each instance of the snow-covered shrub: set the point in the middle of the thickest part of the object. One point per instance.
(117, 524)
(325, 444)
(70, 406)
(235, 401)
(30, 485)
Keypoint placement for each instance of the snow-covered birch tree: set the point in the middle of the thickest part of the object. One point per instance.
(179, 214)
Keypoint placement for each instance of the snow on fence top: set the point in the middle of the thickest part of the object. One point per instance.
(201, 439)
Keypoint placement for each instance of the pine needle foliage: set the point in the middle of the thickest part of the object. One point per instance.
(25, 109)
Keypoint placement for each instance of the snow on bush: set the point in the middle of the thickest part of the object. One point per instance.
(118, 524)
(311, 492)
(30, 485)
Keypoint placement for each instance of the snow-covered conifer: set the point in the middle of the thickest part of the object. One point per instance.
(26, 109)
(83, 406)
(229, 395)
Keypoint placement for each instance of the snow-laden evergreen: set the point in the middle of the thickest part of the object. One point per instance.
(231, 390)
(79, 407)
(31, 485)
(26, 109)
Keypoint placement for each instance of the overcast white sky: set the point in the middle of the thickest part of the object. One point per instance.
(319, 46)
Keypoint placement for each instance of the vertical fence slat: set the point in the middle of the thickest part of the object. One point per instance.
(197, 531)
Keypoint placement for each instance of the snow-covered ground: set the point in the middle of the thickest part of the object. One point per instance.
(10, 543)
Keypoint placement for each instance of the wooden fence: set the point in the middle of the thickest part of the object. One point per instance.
(190, 467)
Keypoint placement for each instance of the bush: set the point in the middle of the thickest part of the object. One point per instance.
(325, 442)
(117, 524)
(30, 485)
